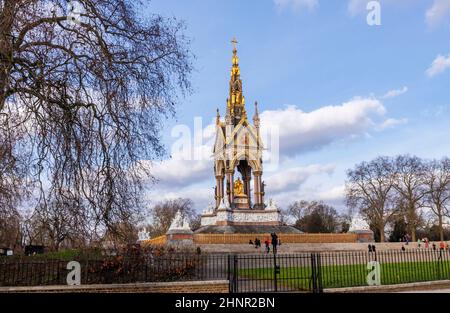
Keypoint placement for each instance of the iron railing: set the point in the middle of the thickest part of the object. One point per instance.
(303, 272)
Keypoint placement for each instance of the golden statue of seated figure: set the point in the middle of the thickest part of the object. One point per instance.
(239, 188)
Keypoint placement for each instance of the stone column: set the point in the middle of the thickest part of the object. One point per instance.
(257, 188)
(230, 183)
(247, 190)
(219, 187)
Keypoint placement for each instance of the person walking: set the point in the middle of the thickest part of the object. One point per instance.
(434, 246)
(419, 243)
(266, 242)
(274, 242)
(427, 243)
(442, 246)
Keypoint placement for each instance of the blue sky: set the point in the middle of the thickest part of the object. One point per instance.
(341, 90)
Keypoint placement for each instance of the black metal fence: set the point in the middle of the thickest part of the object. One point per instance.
(351, 269)
(275, 273)
(29, 271)
(304, 272)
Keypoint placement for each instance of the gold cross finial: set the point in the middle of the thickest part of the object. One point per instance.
(234, 42)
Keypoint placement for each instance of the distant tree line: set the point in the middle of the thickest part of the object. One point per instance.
(316, 217)
(408, 194)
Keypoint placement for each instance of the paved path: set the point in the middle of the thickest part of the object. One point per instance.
(429, 291)
(308, 247)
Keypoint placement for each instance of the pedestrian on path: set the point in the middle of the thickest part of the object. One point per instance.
(266, 242)
(274, 242)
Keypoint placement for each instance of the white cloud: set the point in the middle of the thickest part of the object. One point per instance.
(437, 13)
(334, 196)
(304, 131)
(355, 7)
(395, 93)
(391, 122)
(292, 178)
(439, 65)
(178, 172)
(297, 4)
(201, 195)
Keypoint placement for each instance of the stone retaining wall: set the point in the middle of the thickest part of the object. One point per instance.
(217, 286)
(285, 238)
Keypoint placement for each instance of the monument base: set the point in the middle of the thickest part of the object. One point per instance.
(247, 229)
(241, 202)
(364, 235)
(224, 217)
(180, 237)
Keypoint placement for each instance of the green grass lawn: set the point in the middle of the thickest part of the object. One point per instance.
(335, 276)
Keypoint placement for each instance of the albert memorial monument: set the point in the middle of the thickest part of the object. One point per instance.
(239, 205)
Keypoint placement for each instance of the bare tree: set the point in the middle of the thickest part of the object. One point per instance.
(410, 183)
(438, 184)
(297, 209)
(318, 217)
(88, 88)
(13, 183)
(370, 190)
(60, 221)
(163, 213)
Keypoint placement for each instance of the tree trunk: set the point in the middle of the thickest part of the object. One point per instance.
(441, 228)
(412, 220)
(382, 236)
(6, 43)
(412, 231)
(380, 229)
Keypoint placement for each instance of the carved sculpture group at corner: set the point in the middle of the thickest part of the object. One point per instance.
(238, 188)
(180, 222)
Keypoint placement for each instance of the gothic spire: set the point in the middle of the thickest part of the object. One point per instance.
(236, 100)
(256, 115)
(218, 117)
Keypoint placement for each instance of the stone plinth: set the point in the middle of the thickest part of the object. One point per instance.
(179, 232)
(241, 202)
(364, 235)
(227, 216)
(180, 237)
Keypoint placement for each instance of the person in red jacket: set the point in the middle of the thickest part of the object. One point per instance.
(267, 243)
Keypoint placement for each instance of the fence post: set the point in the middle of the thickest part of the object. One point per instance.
(230, 287)
(313, 273)
(319, 273)
(228, 267)
(235, 274)
(275, 283)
